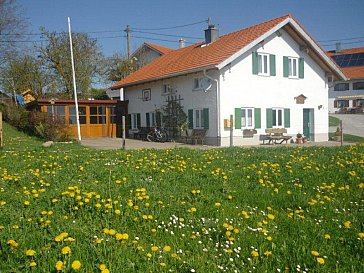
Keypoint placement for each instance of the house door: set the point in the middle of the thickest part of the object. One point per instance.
(308, 123)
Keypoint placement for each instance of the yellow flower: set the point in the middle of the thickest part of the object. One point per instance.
(361, 235)
(154, 248)
(26, 203)
(315, 253)
(59, 265)
(255, 253)
(320, 260)
(162, 264)
(348, 224)
(167, 248)
(105, 270)
(327, 236)
(76, 265)
(12, 243)
(33, 264)
(269, 238)
(66, 250)
(217, 204)
(268, 253)
(30, 252)
(102, 266)
(271, 216)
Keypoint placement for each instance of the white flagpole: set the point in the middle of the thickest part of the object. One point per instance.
(74, 82)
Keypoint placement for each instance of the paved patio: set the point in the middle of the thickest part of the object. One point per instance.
(134, 144)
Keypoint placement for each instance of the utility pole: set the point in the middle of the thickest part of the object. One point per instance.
(128, 30)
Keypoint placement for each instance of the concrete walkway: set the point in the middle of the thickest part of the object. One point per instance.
(134, 144)
(353, 124)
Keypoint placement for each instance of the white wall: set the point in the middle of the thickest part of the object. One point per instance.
(240, 88)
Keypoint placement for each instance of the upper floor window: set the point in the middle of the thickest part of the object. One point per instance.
(264, 64)
(358, 85)
(292, 67)
(167, 89)
(341, 87)
(201, 83)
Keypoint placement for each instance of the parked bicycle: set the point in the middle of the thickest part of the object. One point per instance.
(157, 135)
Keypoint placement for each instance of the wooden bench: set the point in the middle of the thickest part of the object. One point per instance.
(196, 135)
(275, 136)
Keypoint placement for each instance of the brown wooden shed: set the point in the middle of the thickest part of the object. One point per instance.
(98, 118)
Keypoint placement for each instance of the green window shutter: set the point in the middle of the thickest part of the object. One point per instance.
(128, 124)
(285, 67)
(255, 63)
(138, 120)
(147, 119)
(257, 118)
(272, 64)
(287, 118)
(301, 68)
(206, 118)
(237, 118)
(190, 118)
(158, 119)
(269, 117)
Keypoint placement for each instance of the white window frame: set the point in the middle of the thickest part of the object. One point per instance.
(293, 67)
(278, 115)
(263, 64)
(198, 118)
(134, 121)
(245, 122)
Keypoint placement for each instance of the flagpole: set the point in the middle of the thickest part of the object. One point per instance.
(74, 82)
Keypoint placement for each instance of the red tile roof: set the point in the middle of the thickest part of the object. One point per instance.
(354, 72)
(348, 51)
(161, 49)
(197, 56)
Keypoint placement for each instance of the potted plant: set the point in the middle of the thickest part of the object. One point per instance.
(337, 134)
(299, 139)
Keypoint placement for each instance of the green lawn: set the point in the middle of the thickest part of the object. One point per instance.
(67, 208)
(333, 121)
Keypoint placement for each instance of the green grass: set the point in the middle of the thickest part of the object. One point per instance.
(180, 210)
(350, 138)
(333, 121)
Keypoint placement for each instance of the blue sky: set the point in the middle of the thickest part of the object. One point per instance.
(326, 20)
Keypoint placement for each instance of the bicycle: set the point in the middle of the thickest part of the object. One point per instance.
(157, 135)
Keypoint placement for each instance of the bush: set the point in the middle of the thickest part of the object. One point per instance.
(36, 123)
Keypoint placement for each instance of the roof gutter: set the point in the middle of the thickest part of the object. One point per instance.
(165, 76)
(217, 105)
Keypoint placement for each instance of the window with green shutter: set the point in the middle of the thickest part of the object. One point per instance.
(237, 118)
(257, 118)
(301, 68)
(287, 118)
(285, 67)
(272, 63)
(147, 119)
(190, 118)
(206, 118)
(255, 63)
(269, 117)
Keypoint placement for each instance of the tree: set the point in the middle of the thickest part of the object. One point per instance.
(118, 67)
(24, 73)
(174, 118)
(12, 27)
(57, 57)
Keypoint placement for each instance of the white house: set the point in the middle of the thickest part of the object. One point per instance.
(271, 75)
(348, 96)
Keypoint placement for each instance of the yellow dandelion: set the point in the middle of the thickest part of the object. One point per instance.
(268, 253)
(154, 248)
(167, 248)
(59, 265)
(348, 224)
(320, 260)
(361, 235)
(271, 216)
(255, 253)
(76, 265)
(315, 253)
(33, 264)
(66, 250)
(327, 236)
(30, 252)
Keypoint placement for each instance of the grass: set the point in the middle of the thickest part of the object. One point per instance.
(350, 138)
(333, 121)
(180, 210)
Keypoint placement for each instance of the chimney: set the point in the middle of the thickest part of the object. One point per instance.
(211, 33)
(182, 43)
(338, 48)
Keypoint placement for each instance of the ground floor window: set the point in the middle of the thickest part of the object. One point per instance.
(98, 115)
(58, 111)
(277, 118)
(135, 120)
(72, 119)
(198, 118)
(341, 103)
(247, 118)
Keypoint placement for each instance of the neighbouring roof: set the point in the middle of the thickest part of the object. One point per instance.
(221, 52)
(67, 101)
(352, 72)
(161, 49)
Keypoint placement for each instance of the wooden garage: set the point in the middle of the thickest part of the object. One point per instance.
(98, 118)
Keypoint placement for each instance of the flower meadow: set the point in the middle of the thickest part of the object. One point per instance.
(73, 209)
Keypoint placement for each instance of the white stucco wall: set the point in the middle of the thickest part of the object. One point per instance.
(240, 88)
(237, 87)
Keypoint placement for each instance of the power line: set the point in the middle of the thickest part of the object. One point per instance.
(156, 39)
(347, 43)
(345, 39)
(174, 27)
(168, 35)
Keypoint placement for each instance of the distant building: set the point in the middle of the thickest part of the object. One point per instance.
(348, 96)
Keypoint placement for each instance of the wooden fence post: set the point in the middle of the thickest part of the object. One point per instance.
(1, 130)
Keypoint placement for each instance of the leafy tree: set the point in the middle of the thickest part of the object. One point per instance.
(174, 118)
(25, 73)
(118, 67)
(12, 26)
(57, 58)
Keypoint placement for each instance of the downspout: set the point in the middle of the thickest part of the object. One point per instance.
(217, 106)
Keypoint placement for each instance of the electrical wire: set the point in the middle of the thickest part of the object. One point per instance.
(156, 39)
(174, 27)
(346, 39)
(168, 35)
